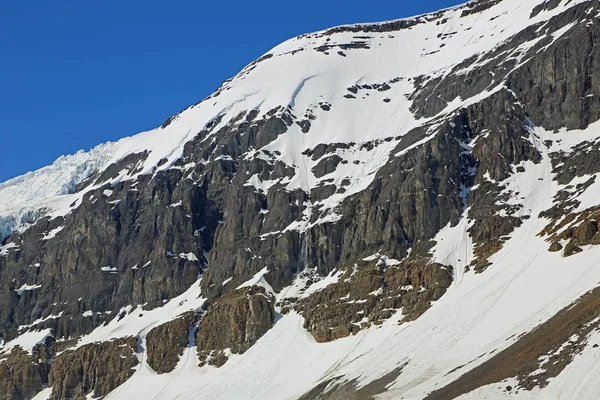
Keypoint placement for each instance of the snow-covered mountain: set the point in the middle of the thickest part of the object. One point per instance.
(401, 210)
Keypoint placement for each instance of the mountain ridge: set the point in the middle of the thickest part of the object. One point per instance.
(375, 210)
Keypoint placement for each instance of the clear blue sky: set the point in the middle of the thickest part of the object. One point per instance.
(76, 73)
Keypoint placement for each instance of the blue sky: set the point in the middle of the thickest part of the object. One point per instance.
(74, 74)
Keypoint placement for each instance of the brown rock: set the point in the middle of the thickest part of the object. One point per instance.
(571, 249)
(555, 246)
(23, 375)
(580, 228)
(235, 321)
(96, 368)
(165, 343)
(218, 359)
(585, 232)
(371, 292)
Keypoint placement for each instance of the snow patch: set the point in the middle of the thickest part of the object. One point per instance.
(26, 287)
(258, 280)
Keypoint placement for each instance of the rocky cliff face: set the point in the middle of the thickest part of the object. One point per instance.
(23, 375)
(233, 323)
(389, 164)
(165, 343)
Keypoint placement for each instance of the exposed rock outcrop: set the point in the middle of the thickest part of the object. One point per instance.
(371, 292)
(165, 343)
(575, 231)
(131, 243)
(23, 375)
(234, 323)
(94, 368)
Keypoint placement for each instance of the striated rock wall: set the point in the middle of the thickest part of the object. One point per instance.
(165, 343)
(234, 322)
(93, 369)
(23, 375)
(371, 292)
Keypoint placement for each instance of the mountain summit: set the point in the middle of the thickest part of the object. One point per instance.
(399, 210)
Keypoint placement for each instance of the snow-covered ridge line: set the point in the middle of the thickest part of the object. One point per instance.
(291, 64)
